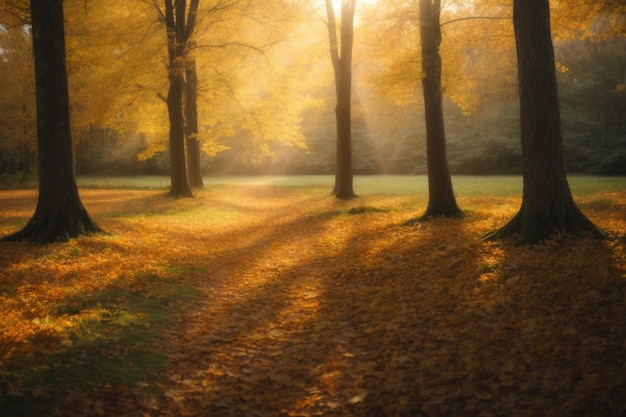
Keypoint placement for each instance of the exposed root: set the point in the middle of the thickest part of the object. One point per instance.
(533, 229)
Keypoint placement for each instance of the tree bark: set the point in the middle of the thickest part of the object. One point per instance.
(547, 203)
(342, 65)
(191, 101)
(191, 126)
(176, 35)
(60, 214)
(441, 199)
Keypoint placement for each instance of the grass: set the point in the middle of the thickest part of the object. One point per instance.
(89, 324)
(95, 341)
(405, 191)
(370, 184)
(109, 350)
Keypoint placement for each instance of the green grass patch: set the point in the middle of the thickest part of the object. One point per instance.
(599, 204)
(91, 343)
(584, 185)
(467, 185)
(367, 209)
(353, 211)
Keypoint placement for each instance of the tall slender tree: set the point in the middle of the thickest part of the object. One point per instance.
(60, 214)
(191, 100)
(547, 203)
(342, 65)
(191, 122)
(441, 199)
(177, 35)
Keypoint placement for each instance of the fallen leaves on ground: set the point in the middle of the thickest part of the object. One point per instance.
(309, 306)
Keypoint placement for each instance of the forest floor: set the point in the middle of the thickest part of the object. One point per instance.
(259, 300)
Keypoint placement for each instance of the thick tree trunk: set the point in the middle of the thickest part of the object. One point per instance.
(60, 214)
(342, 65)
(547, 203)
(343, 177)
(441, 199)
(175, 23)
(191, 125)
(178, 167)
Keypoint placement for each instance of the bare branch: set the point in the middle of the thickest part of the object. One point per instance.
(260, 49)
(191, 19)
(320, 17)
(159, 11)
(332, 34)
(475, 18)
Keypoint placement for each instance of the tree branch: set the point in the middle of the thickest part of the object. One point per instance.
(260, 49)
(474, 18)
(159, 11)
(332, 34)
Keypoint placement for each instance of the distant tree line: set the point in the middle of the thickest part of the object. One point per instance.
(480, 105)
(592, 88)
(547, 205)
(592, 91)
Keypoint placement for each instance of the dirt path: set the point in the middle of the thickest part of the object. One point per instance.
(314, 307)
(354, 315)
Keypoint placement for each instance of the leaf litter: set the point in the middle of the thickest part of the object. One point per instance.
(302, 313)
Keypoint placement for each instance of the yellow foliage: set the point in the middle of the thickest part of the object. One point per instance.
(562, 68)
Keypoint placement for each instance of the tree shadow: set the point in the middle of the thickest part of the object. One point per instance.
(337, 324)
(305, 313)
(561, 306)
(54, 357)
(103, 362)
(14, 203)
(426, 322)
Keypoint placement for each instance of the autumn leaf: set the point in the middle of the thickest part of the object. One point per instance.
(247, 301)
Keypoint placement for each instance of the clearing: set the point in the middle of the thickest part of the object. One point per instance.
(271, 298)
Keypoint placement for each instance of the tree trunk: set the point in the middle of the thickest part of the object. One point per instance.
(175, 23)
(178, 167)
(441, 200)
(191, 125)
(343, 177)
(60, 214)
(547, 203)
(342, 65)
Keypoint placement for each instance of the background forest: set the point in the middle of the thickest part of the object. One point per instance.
(266, 97)
(264, 296)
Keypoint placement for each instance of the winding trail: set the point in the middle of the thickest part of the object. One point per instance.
(315, 312)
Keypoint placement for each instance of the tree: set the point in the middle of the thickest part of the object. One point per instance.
(17, 109)
(112, 52)
(191, 102)
(547, 203)
(227, 50)
(177, 35)
(191, 123)
(60, 214)
(342, 65)
(441, 200)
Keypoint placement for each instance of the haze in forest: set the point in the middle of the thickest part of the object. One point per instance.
(268, 294)
(266, 88)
